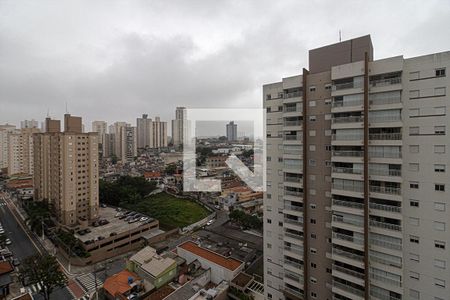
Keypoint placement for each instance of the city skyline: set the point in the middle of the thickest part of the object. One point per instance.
(136, 64)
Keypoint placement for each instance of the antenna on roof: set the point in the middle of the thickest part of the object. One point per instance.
(67, 111)
(340, 36)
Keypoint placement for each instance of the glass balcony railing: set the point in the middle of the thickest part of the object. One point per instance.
(292, 123)
(294, 249)
(347, 103)
(293, 207)
(386, 280)
(294, 222)
(347, 254)
(347, 137)
(348, 272)
(292, 137)
(386, 244)
(292, 95)
(293, 276)
(385, 190)
(341, 153)
(350, 119)
(385, 101)
(385, 82)
(293, 193)
(346, 85)
(293, 179)
(388, 208)
(294, 236)
(347, 170)
(348, 288)
(297, 108)
(383, 119)
(385, 136)
(349, 204)
(373, 154)
(293, 264)
(350, 188)
(296, 292)
(385, 172)
(355, 222)
(384, 225)
(348, 238)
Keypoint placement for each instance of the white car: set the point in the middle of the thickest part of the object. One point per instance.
(209, 222)
(143, 219)
(2, 231)
(8, 242)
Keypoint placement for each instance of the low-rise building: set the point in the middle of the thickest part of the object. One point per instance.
(222, 268)
(157, 270)
(123, 284)
(5, 278)
(218, 161)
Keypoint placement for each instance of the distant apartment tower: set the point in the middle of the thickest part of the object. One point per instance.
(355, 203)
(115, 131)
(29, 124)
(66, 170)
(144, 132)
(5, 130)
(232, 132)
(20, 151)
(159, 133)
(101, 127)
(179, 126)
(129, 143)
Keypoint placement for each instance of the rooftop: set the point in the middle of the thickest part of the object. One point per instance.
(115, 225)
(5, 267)
(118, 283)
(151, 262)
(229, 263)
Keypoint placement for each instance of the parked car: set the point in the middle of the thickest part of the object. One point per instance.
(8, 242)
(143, 219)
(209, 222)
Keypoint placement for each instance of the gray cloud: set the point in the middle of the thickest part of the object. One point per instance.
(114, 60)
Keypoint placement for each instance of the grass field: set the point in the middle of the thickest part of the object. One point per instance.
(170, 211)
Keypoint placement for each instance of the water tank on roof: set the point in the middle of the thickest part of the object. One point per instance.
(130, 280)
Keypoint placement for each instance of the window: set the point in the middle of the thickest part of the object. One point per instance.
(414, 257)
(312, 206)
(414, 167)
(439, 91)
(439, 226)
(328, 85)
(440, 72)
(414, 130)
(439, 149)
(312, 133)
(413, 294)
(414, 149)
(269, 158)
(413, 203)
(414, 239)
(313, 280)
(313, 295)
(414, 221)
(313, 221)
(312, 88)
(313, 265)
(439, 206)
(413, 185)
(280, 159)
(439, 245)
(414, 275)
(312, 103)
(312, 147)
(269, 109)
(312, 118)
(438, 263)
(269, 246)
(268, 97)
(327, 101)
(439, 187)
(439, 130)
(414, 94)
(312, 162)
(327, 132)
(327, 116)
(439, 168)
(313, 250)
(439, 282)
(440, 110)
(414, 112)
(269, 221)
(313, 236)
(327, 147)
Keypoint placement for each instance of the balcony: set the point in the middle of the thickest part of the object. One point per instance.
(385, 82)
(384, 296)
(293, 137)
(346, 254)
(354, 222)
(350, 188)
(384, 119)
(386, 172)
(292, 123)
(292, 221)
(347, 137)
(386, 280)
(349, 204)
(293, 276)
(348, 103)
(386, 244)
(388, 208)
(348, 238)
(292, 151)
(346, 85)
(374, 154)
(385, 101)
(387, 262)
(293, 193)
(348, 288)
(293, 207)
(296, 292)
(384, 225)
(348, 272)
(348, 153)
(294, 249)
(293, 264)
(385, 136)
(349, 119)
(292, 95)
(385, 190)
(294, 236)
(293, 108)
(344, 170)
(294, 179)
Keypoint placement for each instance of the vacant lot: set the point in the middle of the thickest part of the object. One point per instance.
(170, 211)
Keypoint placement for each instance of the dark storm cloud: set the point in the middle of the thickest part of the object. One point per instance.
(114, 60)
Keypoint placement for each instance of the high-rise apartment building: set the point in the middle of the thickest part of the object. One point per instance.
(144, 127)
(29, 124)
(66, 170)
(129, 143)
(101, 128)
(179, 126)
(231, 131)
(159, 133)
(20, 151)
(5, 130)
(357, 177)
(115, 136)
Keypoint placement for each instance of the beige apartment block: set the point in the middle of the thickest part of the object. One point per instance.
(179, 126)
(20, 151)
(144, 127)
(101, 127)
(66, 170)
(5, 130)
(159, 133)
(357, 177)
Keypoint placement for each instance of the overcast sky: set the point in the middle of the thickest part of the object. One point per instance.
(114, 60)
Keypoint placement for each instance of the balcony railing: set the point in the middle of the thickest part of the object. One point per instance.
(385, 82)
(385, 279)
(346, 85)
(380, 172)
(297, 108)
(350, 255)
(385, 190)
(348, 204)
(348, 288)
(384, 296)
(353, 188)
(347, 137)
(291, 291)
(348, 271)
(389, 208)
(292, 95)
(293, 179)
(386, 244)
(350, 119)
(387, 262)
(293, 207)
(384, 225)
(293, 193)
(295, 222)
(385, 136)
(298, 166)
(348, 238)
(293, 264)
(347, 170)
(298, 250)
(294, 236)
(384, 101)
(292, 137)
(348, 221)
(292, 151)
(374, 154)
(348, 153)
(347, 103)
(292, 123)
(382, 119)
(293, 276)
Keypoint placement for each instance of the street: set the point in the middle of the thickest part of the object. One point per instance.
(22, 246)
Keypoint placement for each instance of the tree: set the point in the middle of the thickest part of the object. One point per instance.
(38, 212)
(170, 169)
(43, 270)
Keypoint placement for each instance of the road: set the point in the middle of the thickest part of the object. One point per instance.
(22, 246)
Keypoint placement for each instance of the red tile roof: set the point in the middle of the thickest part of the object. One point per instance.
(229, 263)
(5, 267)
(118, 283)
(152, 174)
